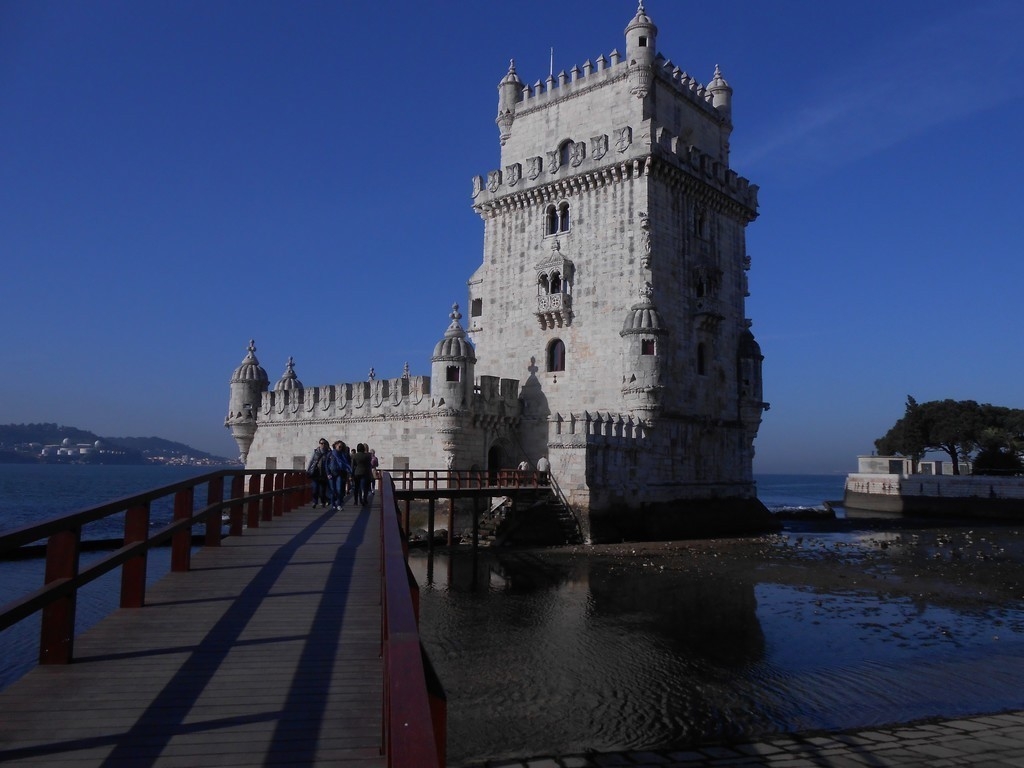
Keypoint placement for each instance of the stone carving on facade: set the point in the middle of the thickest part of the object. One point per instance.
(553, 161)
(514, 172)
(493, 180)
(478, 185)
(599, 146)
(645, 240)
(623, 138)
(535, 166)
(577, 154)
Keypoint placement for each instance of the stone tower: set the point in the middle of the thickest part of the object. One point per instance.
(613, 286)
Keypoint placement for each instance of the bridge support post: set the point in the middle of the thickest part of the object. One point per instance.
(267, 513)
(214, 495)
(57, 633)
(430, 524)
(253, 507)
(181, 541)
(451, 520)
(133, 572)
(279, 499)
(235, 510)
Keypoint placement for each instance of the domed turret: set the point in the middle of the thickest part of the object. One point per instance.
(451, 366)
(248, 383)
(510, 93)
(288, 380)
(643, 331)
(640, 51)
(721, 94)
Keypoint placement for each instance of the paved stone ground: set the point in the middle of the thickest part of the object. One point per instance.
(989, 741)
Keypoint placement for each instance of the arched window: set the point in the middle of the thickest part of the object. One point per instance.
(453, 373)
(647, 347)
(702, 366)
(542, 286)
(556, 219)
(699, 224)
(564, 153)
(551, 220)
(556, 355)
(556, 283)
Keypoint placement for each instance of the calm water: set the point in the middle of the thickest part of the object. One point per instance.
(30, 493)
(551, 652)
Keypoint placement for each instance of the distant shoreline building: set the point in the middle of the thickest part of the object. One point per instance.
(606, 328)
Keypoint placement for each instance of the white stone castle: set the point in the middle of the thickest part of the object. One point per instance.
(606, 326)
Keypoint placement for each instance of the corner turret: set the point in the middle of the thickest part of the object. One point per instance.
(641, 35)
(510, 93)
(248, 383)
(721, 95)
(451, 366)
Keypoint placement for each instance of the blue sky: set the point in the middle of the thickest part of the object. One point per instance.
(180, 177)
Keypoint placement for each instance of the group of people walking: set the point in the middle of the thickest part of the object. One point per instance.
(335, 470)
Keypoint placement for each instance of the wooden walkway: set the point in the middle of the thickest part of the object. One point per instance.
(268, 652)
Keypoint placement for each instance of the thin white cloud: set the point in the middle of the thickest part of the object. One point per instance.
(952, 68)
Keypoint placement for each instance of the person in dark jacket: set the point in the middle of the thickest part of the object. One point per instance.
(361, 475)
(338, 470)
(317, 471)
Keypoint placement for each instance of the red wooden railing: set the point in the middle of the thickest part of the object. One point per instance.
(268, 493)
(415, 708)
(466, 479)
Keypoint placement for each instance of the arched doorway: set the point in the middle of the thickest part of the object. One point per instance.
(495, 460)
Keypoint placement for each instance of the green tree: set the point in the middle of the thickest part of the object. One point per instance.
(958, 428)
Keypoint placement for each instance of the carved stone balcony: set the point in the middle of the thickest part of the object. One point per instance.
(554, 310)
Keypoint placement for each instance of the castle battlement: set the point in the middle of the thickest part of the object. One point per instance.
(604, 70)
(386, 398)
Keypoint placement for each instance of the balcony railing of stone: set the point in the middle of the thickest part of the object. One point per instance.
(253, 496)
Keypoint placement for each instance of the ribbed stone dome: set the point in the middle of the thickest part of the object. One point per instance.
(288, 379)
(643, 317)
(250, 369)
(748, 347)
(454, 344)
(511, 77)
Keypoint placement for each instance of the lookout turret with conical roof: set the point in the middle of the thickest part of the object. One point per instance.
(640, 51)
(451, 366)
(248, 383)
(510, 93)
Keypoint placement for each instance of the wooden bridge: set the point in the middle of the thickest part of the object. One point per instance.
(292, 641)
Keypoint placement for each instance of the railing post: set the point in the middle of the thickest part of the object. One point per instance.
(181, 541)
(57, 632)
(237, 492)
(253, 506)
(133, 572)
(278, 497)
(213, 521)
(267, 506)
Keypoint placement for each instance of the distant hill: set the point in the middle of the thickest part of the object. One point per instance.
(16, 441)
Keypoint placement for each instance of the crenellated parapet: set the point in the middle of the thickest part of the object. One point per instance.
(365, 399)
(578, 430)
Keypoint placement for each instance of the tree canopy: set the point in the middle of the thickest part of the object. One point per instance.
(989, 435)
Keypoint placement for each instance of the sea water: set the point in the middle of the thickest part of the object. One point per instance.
(31, 493)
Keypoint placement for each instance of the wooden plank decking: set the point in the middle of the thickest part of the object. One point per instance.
(266, 653)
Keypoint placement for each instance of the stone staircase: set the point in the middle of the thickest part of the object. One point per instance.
(538, 518)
